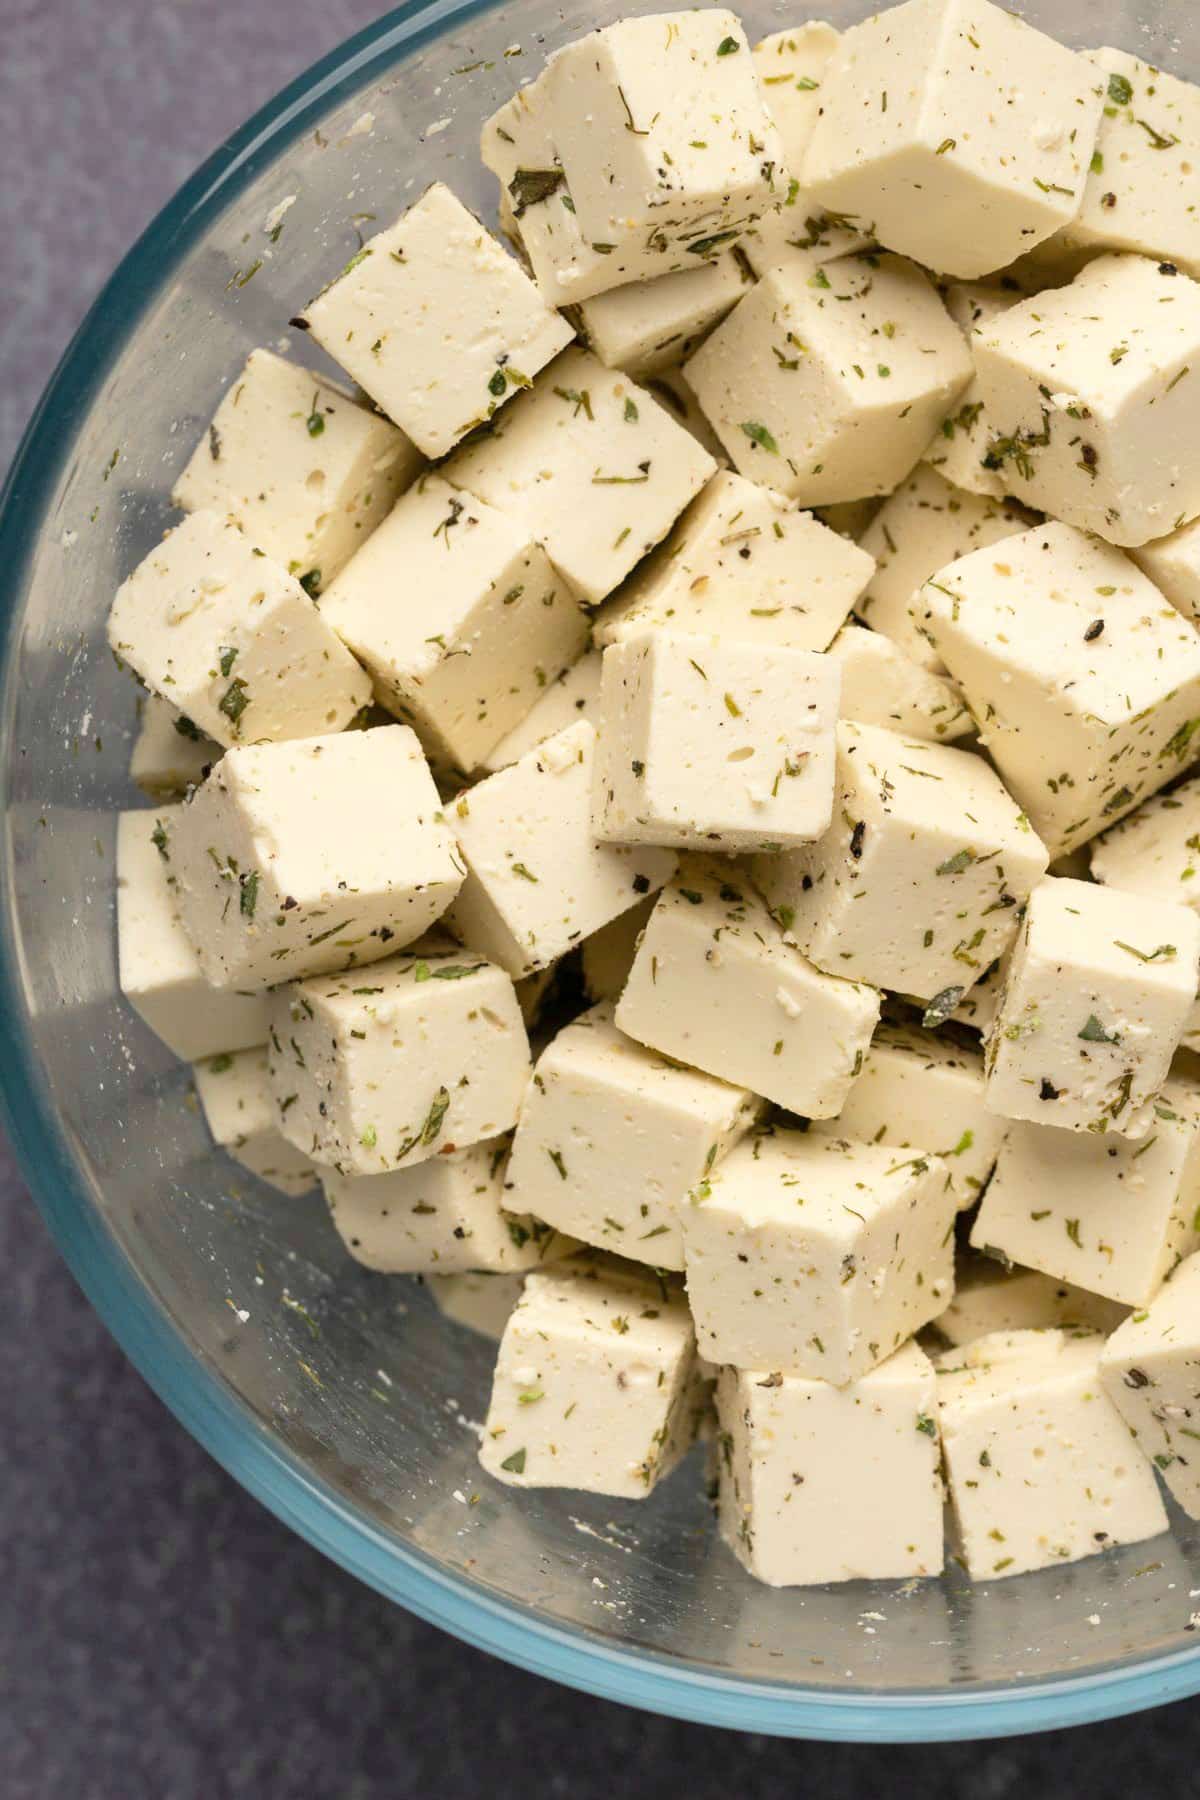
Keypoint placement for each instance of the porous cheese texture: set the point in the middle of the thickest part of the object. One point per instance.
(1041, 1467)
(235, 1096)
(384, 1068)
(612, 1137)
(231, 639)
(961, 451)
(1098, 1209)
(538, 880)
(743, 562)
(294, 859)
(607, 955)
(961, 134)
(591, 465)
(705, 742)
(459, 618)
(573, 695)
(159, 971)
(1084, 681)
(305, 472)
(882, 685)
(1096, 998)
(648, 326)
(1173, 565)
(1150, 1368)
(1154, 850)
(478, 1300)
(1089, 390)
(169, 754)
(988, 1297)
(827, 381)
(917, 882)
(711, 950)
(593, 1386)
(436, 322)
(817, 1256)
(802, 1466)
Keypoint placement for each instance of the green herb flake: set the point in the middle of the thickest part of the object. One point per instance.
(515, 1464)
(758, 434)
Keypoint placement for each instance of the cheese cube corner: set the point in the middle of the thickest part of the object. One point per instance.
(883, 685)
(234, 1091)
(573, 695)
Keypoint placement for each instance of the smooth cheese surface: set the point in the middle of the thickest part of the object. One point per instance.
(1173, 565)
(477, 1300)
(648, 326)
(1149, 1368)
(988, 1297)
(572, 695)
(1153, 850)
(234, 1091)
(961, 452)
(882, 685)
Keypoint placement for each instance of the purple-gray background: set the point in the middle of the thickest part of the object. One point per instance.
(161, 1637)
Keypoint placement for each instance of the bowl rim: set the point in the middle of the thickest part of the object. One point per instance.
(183, 1380)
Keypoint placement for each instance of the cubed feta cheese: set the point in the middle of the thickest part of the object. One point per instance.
(1149, 1370)
(169, 754)
(1173, 565)
(477, 1299)
(882, 685)
(960, 451)
(988, 1297)
(235, 1096)
(1154, 850)
(648, 326)
(573, 695)
(607, 955)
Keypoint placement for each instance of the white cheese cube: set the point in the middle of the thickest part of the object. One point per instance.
(477, 1299)
(612, 1138)
(960, 450)
(1154, 850)
(1097, 1209)
(306, 473)
(1040, 1465)
(495, 624)
(743, 563)
(919, 1091)
(704, 741)
(169, 754)
(711, 951)
(648, 326)
(802, 233)
(1173, 565)
(882, 685)
(235, 1095)
(436, 322)
(961, 133)
(283, 870)
(803, 1465)
(1149, 1370)
(1096, 998)
(384, 1068)
(828, 380)
(988, 1298)
(607, 955)
(573, 695)
(232, 640)
(791, 67)
(917, 883)
(537, 879)
(924, 525)
(160, 973)
(1084, 681)
(1089, 392)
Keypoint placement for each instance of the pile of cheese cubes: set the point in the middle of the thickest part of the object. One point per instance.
(848, 890)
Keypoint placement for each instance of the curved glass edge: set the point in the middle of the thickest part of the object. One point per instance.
(187, 1386)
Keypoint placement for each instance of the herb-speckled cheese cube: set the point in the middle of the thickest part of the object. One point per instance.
(961, 134)
(1150, 1368)
(1041, 1468)
(988, 1297)
(803, 1466)
(1173, 565)
(648, 326)
(817, 1256)
(593, 1386)
(917, 883)
(882, 685)
(828, 380)
(436, 322)
(1089, 390)
(232, 639)
(169, 754)
(306, 473)
(389, 1066)
(743, 562)
(1084, 681)
(537, 878)
(607, 955)
(705, 742)
(160, 973)
(495, 623)
(1097, 995)
(235, 1095)
(612, 1137)
(573, 695)
(477, 1299)
(283, 869)
(712, 950)
(1154, 850)
(961, 451)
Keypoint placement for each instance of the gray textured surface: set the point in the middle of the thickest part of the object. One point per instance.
(160, 1635)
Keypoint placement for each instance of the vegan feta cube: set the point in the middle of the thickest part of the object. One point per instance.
(478, 1300)
(573, 695)
(1149, 1370)
(827, 381)
(607, 955)
(882, 685)
(235, 1096)
(537, 878)
(1040, 1465)
(295, 859)
(1173, 565)
(436, 322)
(1084, 681)
(1154, 849)
(990, 1297)
(1097, 996)
(705, 742)
(612, 1138)
(817, 1256)
(711, 950)
(169, 754)
(958, 131)
(648, 326)
(916, 886)
(960, 452)
(494, 624)
(384, 1068)
(232, 640)
(802, 1466)
(304, 471)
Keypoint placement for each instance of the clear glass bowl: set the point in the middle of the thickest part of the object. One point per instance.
(340, 1398)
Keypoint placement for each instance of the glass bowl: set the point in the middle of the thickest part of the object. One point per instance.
(342, 1399)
